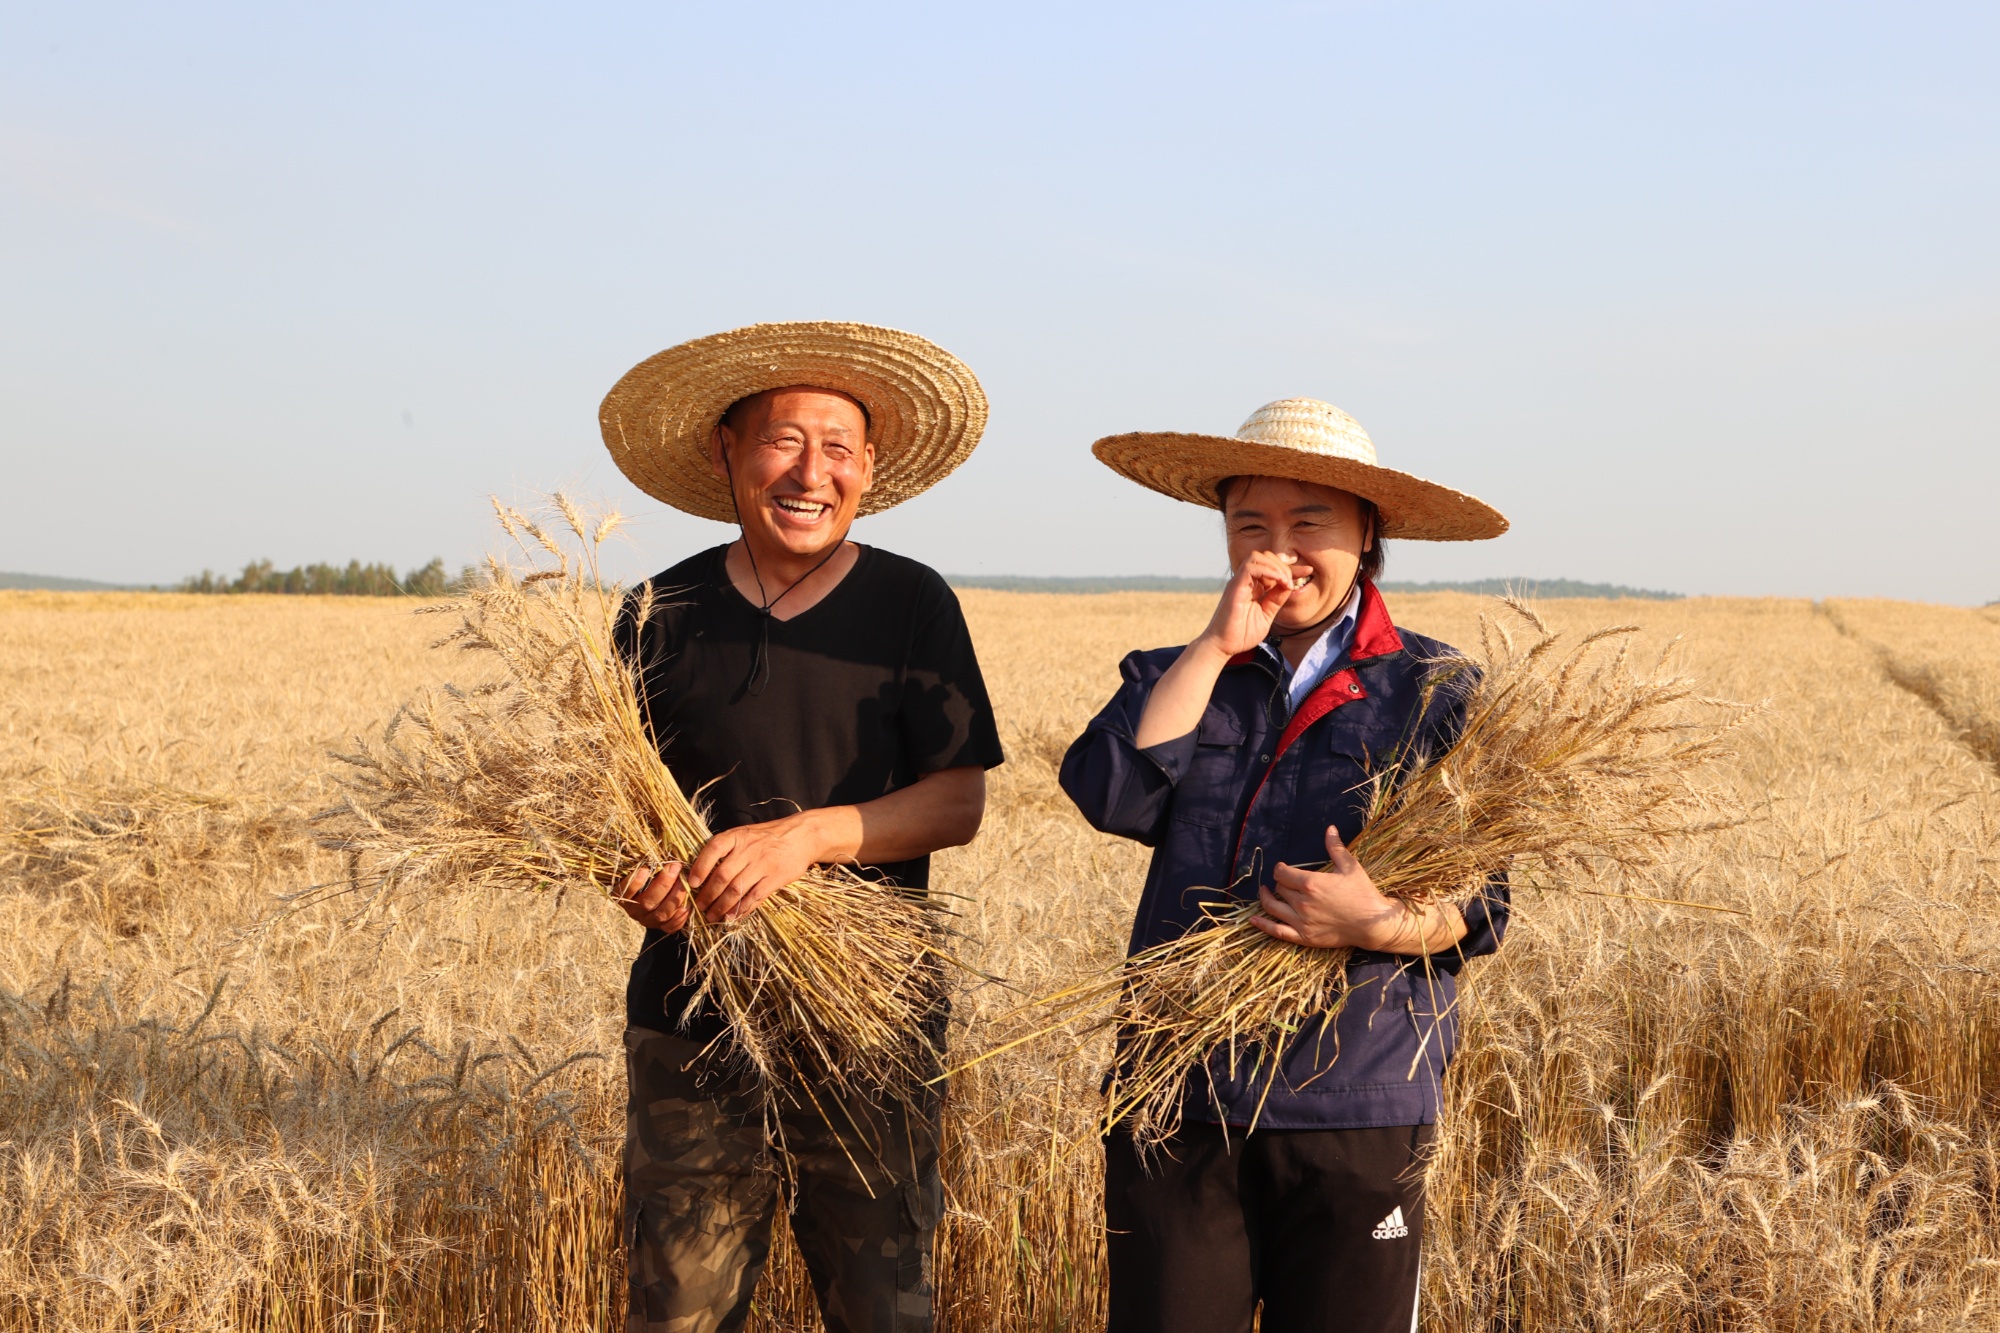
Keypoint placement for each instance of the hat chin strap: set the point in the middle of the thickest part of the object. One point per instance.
(1276, 633)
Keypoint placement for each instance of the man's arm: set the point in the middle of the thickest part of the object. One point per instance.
(738, 868)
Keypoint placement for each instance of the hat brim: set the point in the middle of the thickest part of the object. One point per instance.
(1190, 467)
(926, 409)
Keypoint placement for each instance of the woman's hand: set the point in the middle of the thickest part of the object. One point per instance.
(1340, 908)
(1241, 620)
(1251, 602)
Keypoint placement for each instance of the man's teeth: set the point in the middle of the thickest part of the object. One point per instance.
(803, 508)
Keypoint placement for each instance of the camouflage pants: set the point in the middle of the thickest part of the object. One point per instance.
(701, 1190)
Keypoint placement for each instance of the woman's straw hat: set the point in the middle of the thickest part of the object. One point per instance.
(925, 409)
(1305, 440)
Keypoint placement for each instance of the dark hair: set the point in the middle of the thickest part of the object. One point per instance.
(730, 413)
(1372, 559)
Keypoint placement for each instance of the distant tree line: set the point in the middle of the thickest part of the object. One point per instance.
(1537, 588)
(353, 580)
(1532, 588)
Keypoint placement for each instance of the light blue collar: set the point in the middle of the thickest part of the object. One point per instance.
(1329, 648)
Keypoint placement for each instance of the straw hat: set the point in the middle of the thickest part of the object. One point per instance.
(925, 409)
(1305, 440)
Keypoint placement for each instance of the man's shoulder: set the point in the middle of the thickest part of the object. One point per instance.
(655, 609)
(909, 586)
(691, 572)
(888, 567)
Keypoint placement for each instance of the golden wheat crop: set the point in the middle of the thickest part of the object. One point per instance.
(545, 778)
(1571, 759)
(220, 1110)
(1947, 657)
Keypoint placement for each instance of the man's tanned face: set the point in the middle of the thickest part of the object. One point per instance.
(799, 461)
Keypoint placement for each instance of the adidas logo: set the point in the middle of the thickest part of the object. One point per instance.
(1392, 1227)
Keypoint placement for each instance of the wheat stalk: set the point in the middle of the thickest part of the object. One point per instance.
(1657, 1119)
(1577, 757)
(545, 776)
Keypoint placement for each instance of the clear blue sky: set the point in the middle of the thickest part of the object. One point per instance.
(1704, 297)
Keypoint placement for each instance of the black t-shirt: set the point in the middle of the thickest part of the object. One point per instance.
(858, 696)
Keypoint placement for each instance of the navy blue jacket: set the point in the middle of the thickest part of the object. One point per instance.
(1255, 784)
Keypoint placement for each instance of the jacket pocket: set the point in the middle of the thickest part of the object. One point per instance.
(1220, 727)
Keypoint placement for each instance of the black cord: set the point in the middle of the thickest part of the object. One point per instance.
(760, 656)
(1338, 607)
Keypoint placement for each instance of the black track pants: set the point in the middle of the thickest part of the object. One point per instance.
(1320, 1225)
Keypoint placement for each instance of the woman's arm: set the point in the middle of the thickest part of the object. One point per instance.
(1340, 908)
(1118, 787)
(1241, 620)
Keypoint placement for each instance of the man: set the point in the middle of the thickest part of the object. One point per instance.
(824, 699)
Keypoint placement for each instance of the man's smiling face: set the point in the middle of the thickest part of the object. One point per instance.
(799, 460)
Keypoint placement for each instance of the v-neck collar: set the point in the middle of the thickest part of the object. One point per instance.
(862, 554)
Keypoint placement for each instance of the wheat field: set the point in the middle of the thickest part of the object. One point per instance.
(229, 1103)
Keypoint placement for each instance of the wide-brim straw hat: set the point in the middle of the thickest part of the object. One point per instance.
(926, 410)
(1305, 440)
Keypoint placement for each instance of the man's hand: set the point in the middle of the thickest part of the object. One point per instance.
(1340, 908)
(739, 868)
(655, 898)
(732, 873)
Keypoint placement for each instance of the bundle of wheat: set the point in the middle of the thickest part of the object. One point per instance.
(545, 776)
(1578, 758)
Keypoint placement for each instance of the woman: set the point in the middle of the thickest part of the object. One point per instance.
(1241, 758)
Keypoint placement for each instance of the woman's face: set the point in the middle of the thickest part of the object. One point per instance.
(1321, 528)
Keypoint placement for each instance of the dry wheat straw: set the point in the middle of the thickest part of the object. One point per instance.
(1659, 1121)
(545, 776)
(1578, 758)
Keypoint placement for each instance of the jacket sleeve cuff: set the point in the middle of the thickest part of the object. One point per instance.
(1172, 757)
(1485, 918)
